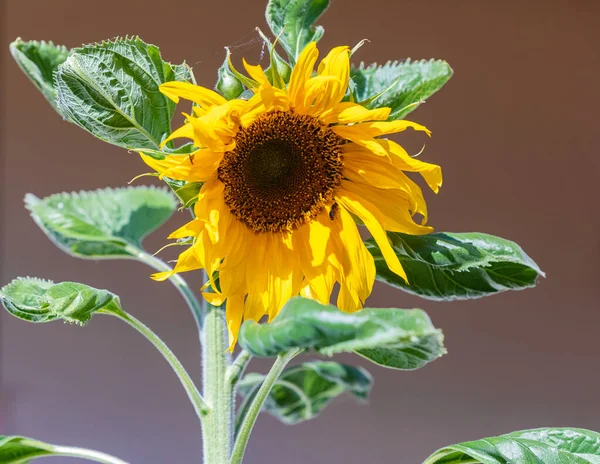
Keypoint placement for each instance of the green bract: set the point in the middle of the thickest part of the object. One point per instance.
(37, 300)
(111, 90)
(109, 223)
(303, 391)
(541, 446)
(401, 86)
(457, 266)
(395, 338)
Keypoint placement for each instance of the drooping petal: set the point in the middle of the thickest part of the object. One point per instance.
(395, 207)
(234, 311)
(373, 220)
(432, 173)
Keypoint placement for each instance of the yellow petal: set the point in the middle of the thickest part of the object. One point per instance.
(373, 220)
(432, 173)
(187, 261)
(301, 73)
(191, 229)
(233, 315)
(215, 299)
(200, 95)
(186, 131)
(337, 64)
(348, 112)
(211, 209)
(395, 207)
(256, 73)
(195, 167)
(378, 128)
(359, 272)
(360, 136)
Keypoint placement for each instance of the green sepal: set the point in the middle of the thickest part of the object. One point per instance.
(394, 338)
(228, 83)
(401, 86)
(111, 90)
(187, 192)
(39, 61)
(37, 300)
(107, 223)
(457, 266)
(540, 446)
(303, 391)
(293, 22)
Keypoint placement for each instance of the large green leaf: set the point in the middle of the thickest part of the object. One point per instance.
(36, 300)
(111, 90)
(293, 22)
(541, 446)
(395, 338)
(457, 266)
(303, 391)
(20, 450)
(39, 61)
(108, 223)
(402, 85)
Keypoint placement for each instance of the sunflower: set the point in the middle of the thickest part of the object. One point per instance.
(287, 174)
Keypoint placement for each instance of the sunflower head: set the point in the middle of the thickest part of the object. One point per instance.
(287, 174)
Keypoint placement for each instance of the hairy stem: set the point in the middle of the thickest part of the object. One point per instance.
(217, 432)
(257, 403)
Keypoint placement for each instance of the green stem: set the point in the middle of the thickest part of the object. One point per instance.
(237, 368)
(179, 283)
(249, 420)
(73, 452)
(217, 431)
(201, 408)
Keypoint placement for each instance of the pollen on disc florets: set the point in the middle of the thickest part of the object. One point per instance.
(283, 171)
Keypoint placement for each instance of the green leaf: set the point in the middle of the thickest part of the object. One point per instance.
(457, 266)
(108, 223)
(111, 90)
(541, 446)
(303, 391)
(39, 61)
(294, 20)
(395, 338)
(36, 300)
(402, 85)
(20, 450)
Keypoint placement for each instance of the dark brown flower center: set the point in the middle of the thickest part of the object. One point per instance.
(283, 171)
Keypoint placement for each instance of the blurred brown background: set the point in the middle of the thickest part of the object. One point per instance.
(515, 132)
